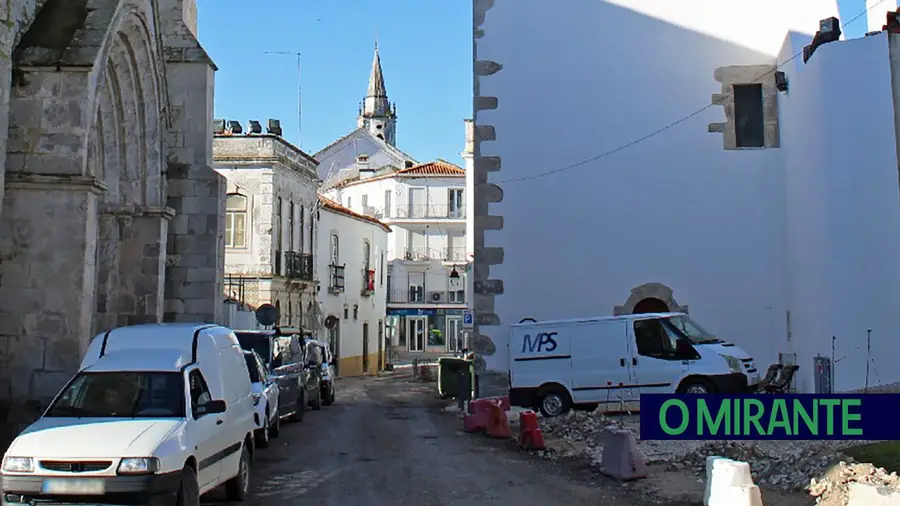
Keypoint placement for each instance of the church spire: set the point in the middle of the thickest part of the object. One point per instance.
(377, 113)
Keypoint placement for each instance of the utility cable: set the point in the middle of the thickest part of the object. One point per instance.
(670, 125)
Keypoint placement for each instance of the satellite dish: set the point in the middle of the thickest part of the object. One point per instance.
(267, 315)
(331, 322)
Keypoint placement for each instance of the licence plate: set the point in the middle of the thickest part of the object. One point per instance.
(77, 486)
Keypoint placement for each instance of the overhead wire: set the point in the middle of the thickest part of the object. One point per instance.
(673, 124)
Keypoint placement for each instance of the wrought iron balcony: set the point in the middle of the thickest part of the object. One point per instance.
(298, 265)
(428, 212)
(445, 254)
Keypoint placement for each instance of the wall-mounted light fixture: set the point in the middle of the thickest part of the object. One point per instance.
(829, 31)
(781, 83)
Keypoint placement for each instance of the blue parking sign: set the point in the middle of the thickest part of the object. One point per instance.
(468, 319)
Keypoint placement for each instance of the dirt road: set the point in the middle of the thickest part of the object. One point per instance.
(385, 443)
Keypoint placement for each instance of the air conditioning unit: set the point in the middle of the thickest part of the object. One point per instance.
(435, 296)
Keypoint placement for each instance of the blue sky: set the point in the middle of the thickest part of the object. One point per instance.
(426, 51)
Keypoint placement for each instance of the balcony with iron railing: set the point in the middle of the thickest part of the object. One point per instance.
(368, 282)
(298, 266)
(426, 212)
(335, 278)
(444, 254)
(421, 295)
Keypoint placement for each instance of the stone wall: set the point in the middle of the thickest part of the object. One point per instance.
(196, 248)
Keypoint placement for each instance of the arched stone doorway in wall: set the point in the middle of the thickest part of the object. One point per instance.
(650, 305)
(650, 298)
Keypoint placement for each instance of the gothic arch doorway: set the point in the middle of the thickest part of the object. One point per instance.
(650, 305)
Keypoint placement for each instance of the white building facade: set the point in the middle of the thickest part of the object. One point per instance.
(351, 262)
(270, 230)
(427, 258)
(767, 206)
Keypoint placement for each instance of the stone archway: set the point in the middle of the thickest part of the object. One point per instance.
(125, 146)
(650, 295)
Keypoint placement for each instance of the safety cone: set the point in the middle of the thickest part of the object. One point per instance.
(530, 435)
(498, 425)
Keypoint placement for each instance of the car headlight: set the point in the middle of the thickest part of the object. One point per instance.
(142, 465)
(18, 464)
(256, 398)
(733, 363)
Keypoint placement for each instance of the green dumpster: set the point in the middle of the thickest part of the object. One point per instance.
(449, 369)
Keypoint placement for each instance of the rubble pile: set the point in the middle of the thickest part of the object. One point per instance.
(833, 489)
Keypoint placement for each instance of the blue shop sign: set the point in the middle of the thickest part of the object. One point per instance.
(412, 312)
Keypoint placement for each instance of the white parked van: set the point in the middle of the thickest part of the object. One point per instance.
(554, 365)
(158, 413)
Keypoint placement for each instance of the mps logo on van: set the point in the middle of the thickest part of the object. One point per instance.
(539, 343)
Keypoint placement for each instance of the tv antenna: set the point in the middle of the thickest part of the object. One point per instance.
(299, 92)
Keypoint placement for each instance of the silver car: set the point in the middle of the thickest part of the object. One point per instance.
(265, 400)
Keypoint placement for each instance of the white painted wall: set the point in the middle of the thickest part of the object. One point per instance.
(841, 212)
(351, 232)
(741, 236)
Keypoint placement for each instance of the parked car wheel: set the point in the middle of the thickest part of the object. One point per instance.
(327, 395)
(263, 434)
(275, 431)
(554, 401)
(331, 396)
(189, 490)
(237, 488)
(297, 415)
(316, 403)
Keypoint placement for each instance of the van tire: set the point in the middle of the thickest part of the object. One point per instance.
(189, 489)
(554, 400)
(237, 488)
(696, 385)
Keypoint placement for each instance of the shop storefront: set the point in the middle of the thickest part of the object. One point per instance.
(427, 330)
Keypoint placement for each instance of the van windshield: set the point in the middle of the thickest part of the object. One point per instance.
(130, 394)
(692, 330)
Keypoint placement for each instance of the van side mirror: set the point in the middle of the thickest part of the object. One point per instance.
(213, 408)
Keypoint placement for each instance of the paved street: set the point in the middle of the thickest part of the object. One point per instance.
(385, 443)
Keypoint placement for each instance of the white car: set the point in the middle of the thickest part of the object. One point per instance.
(157, 414)
(265, 400)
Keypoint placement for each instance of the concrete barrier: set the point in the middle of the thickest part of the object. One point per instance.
(621, 457)
(730, 483)
(870, 495)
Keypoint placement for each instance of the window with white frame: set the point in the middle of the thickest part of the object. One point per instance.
(416, 287)
(235, 221)
(456, 204)
(456, 289)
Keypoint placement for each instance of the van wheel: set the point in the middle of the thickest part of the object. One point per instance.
(697, 386)
(237, 488)
(189, 489)
(554, 401)
(275, 431)
(263, 434)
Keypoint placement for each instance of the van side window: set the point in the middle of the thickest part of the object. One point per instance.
(653, 340)
(199, 392)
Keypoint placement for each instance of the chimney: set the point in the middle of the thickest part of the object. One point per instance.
(362, 165)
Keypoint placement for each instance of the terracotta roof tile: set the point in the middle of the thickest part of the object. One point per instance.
(334, 206)
(435, 168)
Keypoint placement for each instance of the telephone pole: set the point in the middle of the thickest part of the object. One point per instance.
(299, 92)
